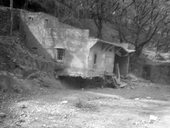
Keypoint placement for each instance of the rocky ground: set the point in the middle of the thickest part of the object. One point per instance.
(139, 105)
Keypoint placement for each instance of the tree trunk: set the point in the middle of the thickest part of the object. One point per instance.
(25, 4)
(138, 50)
(99, 27)
(99, 33)
(11, 9)
(120, 37)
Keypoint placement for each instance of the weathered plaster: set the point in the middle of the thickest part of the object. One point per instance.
(50, 34)
(105, 58)
(46, 33)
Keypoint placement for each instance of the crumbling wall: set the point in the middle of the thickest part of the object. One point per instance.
(158, 73)
(48, 33)
(32, 43)
(104, 59)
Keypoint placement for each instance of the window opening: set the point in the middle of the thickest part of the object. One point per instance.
(46, 20)
(60, 54)
(30, 18)
(95, 58)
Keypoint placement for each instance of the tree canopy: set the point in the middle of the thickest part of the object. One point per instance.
(137, 21)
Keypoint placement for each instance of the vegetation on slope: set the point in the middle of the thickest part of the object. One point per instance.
(136, 22)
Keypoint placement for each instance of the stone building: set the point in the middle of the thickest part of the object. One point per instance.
(72, 47)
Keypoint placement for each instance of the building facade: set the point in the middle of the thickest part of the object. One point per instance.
(80, 54)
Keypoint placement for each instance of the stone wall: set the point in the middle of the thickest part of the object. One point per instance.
(157, 73)
(160, 74)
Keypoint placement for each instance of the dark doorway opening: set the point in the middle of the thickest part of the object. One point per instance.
(146, 73)
(123, 63)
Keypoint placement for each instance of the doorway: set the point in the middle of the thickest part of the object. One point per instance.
(123, 63)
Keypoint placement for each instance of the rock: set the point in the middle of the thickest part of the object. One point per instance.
(44, 125)
(2, 115)
(64, 102)
(123, 85)
(1, 121)
(23, 115)
(23, 106)
(132, 87)
(152, 118)
(137, 99)
(19, 122)
(148, 97)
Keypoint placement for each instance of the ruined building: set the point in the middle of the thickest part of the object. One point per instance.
(80, 54)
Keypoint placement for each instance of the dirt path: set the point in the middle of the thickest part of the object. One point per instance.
(93, 108)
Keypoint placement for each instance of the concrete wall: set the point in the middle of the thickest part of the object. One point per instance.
(157, 73)
(32, 43)
(105, 59)
(46, 33)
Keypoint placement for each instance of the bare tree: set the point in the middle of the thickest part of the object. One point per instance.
(11, 9)
(138, 23)
(99, 11)
(161, 40)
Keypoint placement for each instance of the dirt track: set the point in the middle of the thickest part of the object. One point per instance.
(95, 108)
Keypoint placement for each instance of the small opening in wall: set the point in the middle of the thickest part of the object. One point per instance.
(95, 58)
(30, 18)
(60, 54)
(46, 20)
(34, 48)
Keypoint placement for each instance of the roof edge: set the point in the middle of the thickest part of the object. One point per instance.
(121, 45)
